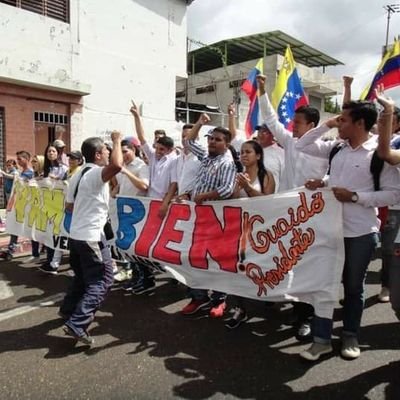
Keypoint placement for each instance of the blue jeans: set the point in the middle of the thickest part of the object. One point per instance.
(358, 252)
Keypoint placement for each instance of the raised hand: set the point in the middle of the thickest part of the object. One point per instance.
(385, 101)
(231, 109)
(204, 119)
(347, 80)
(134, 109)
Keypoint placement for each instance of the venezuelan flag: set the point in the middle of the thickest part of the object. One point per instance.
(288, 93)
(388, 72)
(249, 86)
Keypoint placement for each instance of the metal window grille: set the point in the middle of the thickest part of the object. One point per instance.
(51, 118)
(58, 9)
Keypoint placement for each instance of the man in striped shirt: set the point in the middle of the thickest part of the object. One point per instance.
(214, 181)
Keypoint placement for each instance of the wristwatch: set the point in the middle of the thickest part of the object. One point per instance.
(354, 197)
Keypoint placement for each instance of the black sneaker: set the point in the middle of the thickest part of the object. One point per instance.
(144, 287)
(85, 338)
(48, 269)
(6, 255)
(239, 316)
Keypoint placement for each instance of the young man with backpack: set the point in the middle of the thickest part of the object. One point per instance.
(352, 183)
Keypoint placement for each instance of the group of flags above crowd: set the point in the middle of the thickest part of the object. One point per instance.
(289, 94)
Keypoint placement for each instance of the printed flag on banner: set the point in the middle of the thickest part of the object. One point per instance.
(250, 88)
(288, 93)
(388, 72)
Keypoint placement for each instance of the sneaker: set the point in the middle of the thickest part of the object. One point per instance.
(48, 269)
(145, 287)
(384, 295)
(239, 316)
(316, 350)
(85, 338)
(194, 306)
(350, 347)
(128, 286)
(218, 310)
(304, 331)
(123, 275)
(55, 264)
(31, 260)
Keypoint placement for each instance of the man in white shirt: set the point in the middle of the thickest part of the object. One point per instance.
(274, 155)
(298, 168)
(89, 193)
(352, 184)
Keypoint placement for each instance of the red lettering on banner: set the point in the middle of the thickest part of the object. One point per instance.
(262, 240)
(149, 231)
(220, 242)
(300, 243)
(177, 212)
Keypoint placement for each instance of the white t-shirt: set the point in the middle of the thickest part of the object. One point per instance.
(90, 205)
(274, 162)
(138, 168)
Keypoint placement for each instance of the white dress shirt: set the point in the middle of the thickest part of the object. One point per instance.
(187, 167)
(350, 169)
(162, 172)
(299, 167)
(138, 168)
(274, 162)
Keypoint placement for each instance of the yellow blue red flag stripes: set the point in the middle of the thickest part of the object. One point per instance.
(249, 86)
(288, 93)
(388, 72)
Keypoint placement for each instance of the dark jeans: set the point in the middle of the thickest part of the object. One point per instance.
(91, 282)
(202, 294)
(35, 248)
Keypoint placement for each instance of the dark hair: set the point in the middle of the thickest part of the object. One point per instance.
(166, 141)
(311, 114)
(187, 126)
(131, 146)
(12, 161)
(47, 163)
(160, 132)
(261, 170)
(90, 147)
(236, 159)
(362, 110)
(226, 132)
(24, 154)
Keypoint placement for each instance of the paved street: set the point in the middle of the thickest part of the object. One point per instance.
(146, 350)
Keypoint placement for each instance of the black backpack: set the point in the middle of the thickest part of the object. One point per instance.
(375, 167)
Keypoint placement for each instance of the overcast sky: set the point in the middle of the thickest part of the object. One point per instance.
(352, 31)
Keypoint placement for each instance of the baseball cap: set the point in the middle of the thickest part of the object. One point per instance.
(58, 143)
(75, 155)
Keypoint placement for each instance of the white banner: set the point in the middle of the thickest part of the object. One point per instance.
(287, 246)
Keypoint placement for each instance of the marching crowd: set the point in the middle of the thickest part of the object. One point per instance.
(360, 167)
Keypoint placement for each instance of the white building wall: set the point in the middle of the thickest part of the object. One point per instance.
(114, 50)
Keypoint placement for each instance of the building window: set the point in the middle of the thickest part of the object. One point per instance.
(236, 83)
(51, 118)
(58, 9)
(205, 89)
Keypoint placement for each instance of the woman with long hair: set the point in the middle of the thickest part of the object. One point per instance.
(254, 181)
(53, 168)
(38, 165)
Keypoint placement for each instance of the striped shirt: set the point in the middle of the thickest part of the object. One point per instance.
(215, 173)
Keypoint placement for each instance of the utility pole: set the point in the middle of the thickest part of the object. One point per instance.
(390, 9)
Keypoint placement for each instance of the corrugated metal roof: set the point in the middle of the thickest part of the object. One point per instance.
(245, 48)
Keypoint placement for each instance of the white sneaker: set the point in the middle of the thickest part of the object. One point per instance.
(384, 295)
(123, 275)
(316, 350)
(350, 347)
(55, 264)
(31, 260)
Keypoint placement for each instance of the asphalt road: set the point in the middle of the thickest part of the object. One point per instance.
(146, 350)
